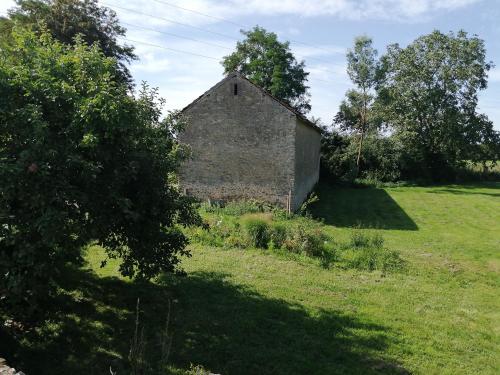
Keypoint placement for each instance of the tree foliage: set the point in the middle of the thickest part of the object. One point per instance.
(80, 161)
(424, 97)
(269, 63)
(65, 19)
(355, 113)
(430, 95)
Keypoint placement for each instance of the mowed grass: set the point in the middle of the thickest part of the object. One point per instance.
(259, 312)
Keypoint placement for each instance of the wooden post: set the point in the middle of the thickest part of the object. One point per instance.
(289, 201)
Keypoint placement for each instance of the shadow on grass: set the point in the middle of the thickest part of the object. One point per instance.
(360, 207)
(224, 327)
(463, 191)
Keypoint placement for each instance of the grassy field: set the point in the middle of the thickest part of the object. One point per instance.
(262, 312)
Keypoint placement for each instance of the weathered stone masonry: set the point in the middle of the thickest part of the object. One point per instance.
(246, 144)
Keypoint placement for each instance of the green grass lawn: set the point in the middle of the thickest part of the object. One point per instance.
(259, 312)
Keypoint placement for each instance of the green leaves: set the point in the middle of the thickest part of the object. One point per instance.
(82, 160)
(430, 94)
(74, 22)
(267, 62)
(362, 63)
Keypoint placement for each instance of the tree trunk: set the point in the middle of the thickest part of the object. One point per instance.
(362, 131)
(359, 148)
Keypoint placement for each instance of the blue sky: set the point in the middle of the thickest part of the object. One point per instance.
(320, 33)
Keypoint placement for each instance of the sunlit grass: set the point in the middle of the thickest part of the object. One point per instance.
(266, 312)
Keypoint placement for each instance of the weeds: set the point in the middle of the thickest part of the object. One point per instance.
(137, 360)
(136, 354)
(367, 252)
(258, 232)
(296, 235)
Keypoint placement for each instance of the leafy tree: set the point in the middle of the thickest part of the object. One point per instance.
(430, 94)
(80, 161)
(355, 113)
(381, 158)
(65, 19)
(269, 63)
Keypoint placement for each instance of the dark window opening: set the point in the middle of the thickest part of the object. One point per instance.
(235, 89)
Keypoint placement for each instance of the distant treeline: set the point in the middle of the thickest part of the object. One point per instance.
(412, 113)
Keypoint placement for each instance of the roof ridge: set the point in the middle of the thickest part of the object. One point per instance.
(235, 73)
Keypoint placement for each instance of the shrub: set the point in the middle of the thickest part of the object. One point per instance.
(359, 239)
(81, 160)
(367, 252)
(278, 235)
(390, 260)
(380, 159)
(310, 242)
(258, 232)
(365, 258)
(304, 207)
(221, 232)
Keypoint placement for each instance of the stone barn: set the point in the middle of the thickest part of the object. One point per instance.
(246, 144)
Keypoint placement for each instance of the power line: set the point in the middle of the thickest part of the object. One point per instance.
(204, 30)
(208, 43)
(232, 22)
(195, 54)
(168, 48)
(176, 35)
(200, 13)
(110, 6)
(201, 29)
(211, 31)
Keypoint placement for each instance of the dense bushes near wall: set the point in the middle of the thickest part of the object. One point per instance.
(271, 229)
(381, 159)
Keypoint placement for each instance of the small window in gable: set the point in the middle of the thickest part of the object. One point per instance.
(235, 89)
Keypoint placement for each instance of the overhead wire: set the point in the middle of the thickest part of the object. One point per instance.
(208, 30)
(232, 22)
(110, 6)
(175, 35)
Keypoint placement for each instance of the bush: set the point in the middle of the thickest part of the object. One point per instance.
(81, 159)
(278, 235)
(303, 240)
(380, 158)
(367, 252)
(359, 239)
(258, 232)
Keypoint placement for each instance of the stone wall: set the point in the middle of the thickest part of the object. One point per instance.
(307, 154)
(243, 145)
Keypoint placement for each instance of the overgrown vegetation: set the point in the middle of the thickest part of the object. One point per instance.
(261, 226)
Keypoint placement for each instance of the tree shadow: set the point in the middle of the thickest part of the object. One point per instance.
(227, 328)
(365, 207)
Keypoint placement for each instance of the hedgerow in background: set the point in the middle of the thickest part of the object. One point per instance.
(82, 160)
(381, 159)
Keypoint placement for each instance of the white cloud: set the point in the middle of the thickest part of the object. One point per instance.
(233, 10)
